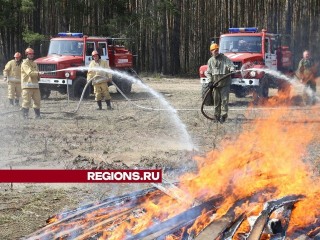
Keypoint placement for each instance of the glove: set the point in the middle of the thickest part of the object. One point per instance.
(232, 69)
(211, 85)
(5, 79)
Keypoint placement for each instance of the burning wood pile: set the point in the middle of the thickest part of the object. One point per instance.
(257, 185)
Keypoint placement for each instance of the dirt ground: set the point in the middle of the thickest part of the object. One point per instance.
(130, 136)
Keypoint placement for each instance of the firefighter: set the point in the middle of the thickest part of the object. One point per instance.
(218, 66)
(12, 74)
(100, 80)
(30, 76)
(307, 70)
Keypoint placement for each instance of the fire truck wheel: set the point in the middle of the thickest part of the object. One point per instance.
(44, 92)
(126, 87)
(77, 88)
(241, 93)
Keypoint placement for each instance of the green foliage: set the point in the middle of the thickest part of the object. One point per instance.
(27, 5)
(8, 16)
(32, 37)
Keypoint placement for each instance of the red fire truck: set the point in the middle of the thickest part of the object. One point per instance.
(70, 50)
(249, 48)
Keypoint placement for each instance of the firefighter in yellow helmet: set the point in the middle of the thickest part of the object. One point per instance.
(30, 76)
(12, 74)
(100, 80)
(218, 66)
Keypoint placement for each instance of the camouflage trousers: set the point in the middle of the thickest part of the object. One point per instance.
(221, 100)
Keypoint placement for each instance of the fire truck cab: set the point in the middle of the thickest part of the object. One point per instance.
(247, 48)
(73, 50)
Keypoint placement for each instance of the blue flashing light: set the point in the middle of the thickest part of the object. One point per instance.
(68, 34)
(243, 30)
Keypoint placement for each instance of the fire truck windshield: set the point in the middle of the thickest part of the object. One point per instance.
(65, 47)
(240, 44)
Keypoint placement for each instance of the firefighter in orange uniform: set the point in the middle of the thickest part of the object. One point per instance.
(12, 74)
(100, 80)
(30, 84)
(307, 69)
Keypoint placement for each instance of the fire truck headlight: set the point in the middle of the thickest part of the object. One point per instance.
(253, 73)
(67, 74)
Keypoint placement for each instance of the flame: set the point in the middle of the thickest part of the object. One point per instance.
(53, 219)
(201, 222)
(266, 161)
(263, 163)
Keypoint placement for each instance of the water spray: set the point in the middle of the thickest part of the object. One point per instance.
(266, 70)
(186, 139)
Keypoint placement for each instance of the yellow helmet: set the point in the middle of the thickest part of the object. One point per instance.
(214, 46)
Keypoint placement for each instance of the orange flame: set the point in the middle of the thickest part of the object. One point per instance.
(201, 222)
(263, 163)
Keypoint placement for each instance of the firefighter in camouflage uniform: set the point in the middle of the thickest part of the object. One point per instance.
(30, 76)
(307, 70)
(12, 74)
(218, 66)
(100, 80)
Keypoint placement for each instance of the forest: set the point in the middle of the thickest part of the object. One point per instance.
(169, 37)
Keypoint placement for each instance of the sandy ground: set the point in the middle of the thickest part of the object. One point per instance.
(132, 135)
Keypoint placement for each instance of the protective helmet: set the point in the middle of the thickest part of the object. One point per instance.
(214, 46)
(94, 53)
(17, 55)
(29, 50)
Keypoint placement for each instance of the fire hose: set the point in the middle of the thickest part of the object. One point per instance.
(72, 112)
(82, 95)
(84, 90)
(209, 91)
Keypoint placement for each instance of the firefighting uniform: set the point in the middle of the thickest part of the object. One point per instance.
(217, 67)
(12, 72)
(100, 80)
(306, 72)
(30, 84)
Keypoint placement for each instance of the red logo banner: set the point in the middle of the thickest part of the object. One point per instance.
(80, 176)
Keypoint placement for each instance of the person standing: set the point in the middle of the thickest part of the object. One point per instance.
(100, 80)
(218, 66)
(307, 74)
(30, 76)
(12, 74)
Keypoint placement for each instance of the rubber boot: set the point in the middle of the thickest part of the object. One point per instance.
(11, 101)
(217, 118)
(16, 102)
(223, 118)
(37, 112)
(99, 105)
(109, 105)
(25, 113)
